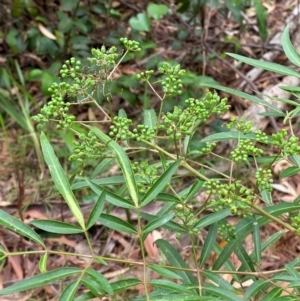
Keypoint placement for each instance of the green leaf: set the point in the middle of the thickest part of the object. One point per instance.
(110, 197)
(101, 167)
(170, 285)
(122, 285)
(227, 251)
(209, 243)
(156, 223)
(194, 189)
(223, 293)
(245, 96)
(288, 47)
(256, 241)
(69, 292)
(219, 280)
(96, 211)
(101, 280)
(289, 172)
(160, 184)
(277, 68)
(85, 297)
(156, 11)
(19, 227)
(60, 179)
(115, 223)
(53, 226)
(43, 263)
(69, 5)
(40, 280)
(230, 135)
(150, 118)
(176, 260)
(93, 286)
(140, 22)
(255, 288)
(124, 163)
(275, 292)
(247, 264)
(261, 17)
(212, 218)
(164, 272)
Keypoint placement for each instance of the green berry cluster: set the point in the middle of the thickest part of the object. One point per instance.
(226, 231)
(295, 222)
(264, 179)
(261, 137)
(145, 76)
(104, 58)
(88, 149)
(143, 132)
(120, 128)
(131, 45)
(288, 146)
(209, 146)
(177, 124)
(71, 68)
(56, 109)
(202, 109)
(245, 148)
(240, 125)
(172, 84)
(187, 216)
(234, 196)
(147, 172)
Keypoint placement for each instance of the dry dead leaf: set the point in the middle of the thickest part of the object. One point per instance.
(46, 32)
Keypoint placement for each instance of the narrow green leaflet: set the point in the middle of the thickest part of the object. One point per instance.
(247, 264)
(275, 292)
(209, 243)
(245, 96)
(176, 260)
(123, 161)
(101, 167)
(19, 227)
(158, 222)
(227, 251)
(289, 172)
(288, 48)
(255, 288)
(101, 280)
(56, 226)
(150, 118)
(170, 285)
(93, 286)
(223, 293)
(96, 211)
(160, 184)
(60, 179)
(178, 297)
(40, 280)
(164, 272)
(257, 241)
(69, 292)
(110, 197)
(212, 218)
(277, 68)
(218, 280)
(261, 17)
(115, 223)
(85, 297)
(43, 263)
(230, 135)
(124, 284)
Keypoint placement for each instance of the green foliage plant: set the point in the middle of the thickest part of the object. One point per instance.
(154, 155)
